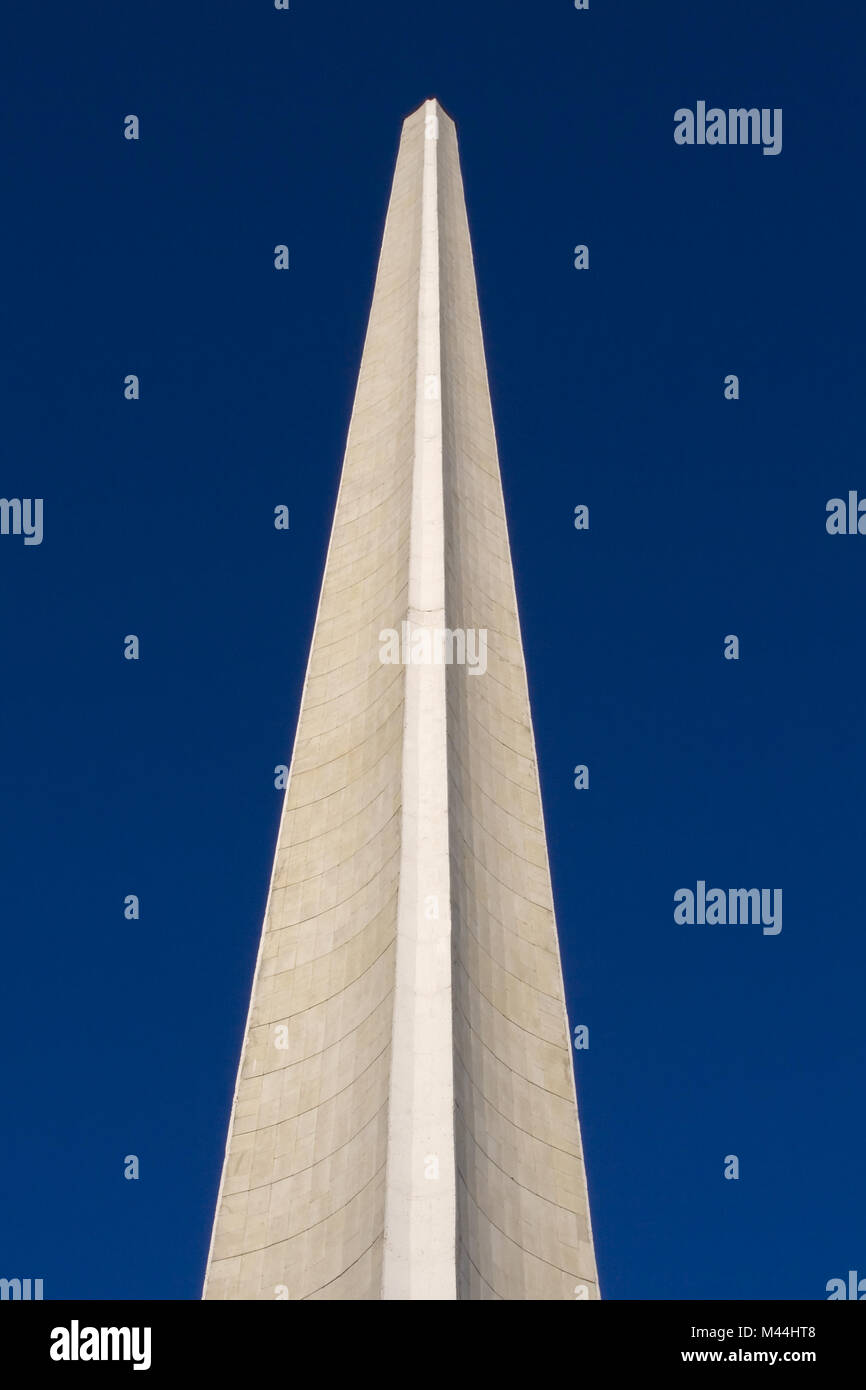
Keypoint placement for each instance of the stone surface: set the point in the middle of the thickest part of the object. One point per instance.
(405, 1123)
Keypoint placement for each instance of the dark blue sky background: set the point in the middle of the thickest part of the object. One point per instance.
(707, 517)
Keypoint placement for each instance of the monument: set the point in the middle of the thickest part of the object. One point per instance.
(405, 1122)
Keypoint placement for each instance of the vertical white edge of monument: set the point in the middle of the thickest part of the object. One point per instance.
(420, 1205)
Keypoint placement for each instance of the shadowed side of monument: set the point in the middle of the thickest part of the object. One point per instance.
(523, 1214)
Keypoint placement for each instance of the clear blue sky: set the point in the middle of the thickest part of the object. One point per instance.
(707, 518)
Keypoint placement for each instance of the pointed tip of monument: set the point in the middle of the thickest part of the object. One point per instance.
(436, 104)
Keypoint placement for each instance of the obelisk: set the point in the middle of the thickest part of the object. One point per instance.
(405, 1122)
